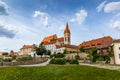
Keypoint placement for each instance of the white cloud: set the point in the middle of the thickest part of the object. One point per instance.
(101, 6)
(115, 24)
(61, 28)
(79, 17)
(112, 7)
(42, 17)
(3, 8)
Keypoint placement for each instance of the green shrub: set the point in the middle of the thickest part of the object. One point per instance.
(74, 61)
(77, 57)
(57, 61)
(58, 55)
(25, 58)
(7, 60)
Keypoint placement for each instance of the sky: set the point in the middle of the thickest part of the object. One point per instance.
(27, 22)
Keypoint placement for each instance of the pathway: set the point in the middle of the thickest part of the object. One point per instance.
(106, 66)
(40, 64)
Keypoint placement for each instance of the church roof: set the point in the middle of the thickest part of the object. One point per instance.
(60, 39)
(49, 38)
(67, 28)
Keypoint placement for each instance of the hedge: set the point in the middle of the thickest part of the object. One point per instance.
(57, 61)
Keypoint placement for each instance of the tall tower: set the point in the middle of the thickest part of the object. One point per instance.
(67, 35)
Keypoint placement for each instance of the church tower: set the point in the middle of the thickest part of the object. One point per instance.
(67, 35)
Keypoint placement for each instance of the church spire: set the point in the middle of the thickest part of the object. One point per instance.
(67, 35)
(67, 28)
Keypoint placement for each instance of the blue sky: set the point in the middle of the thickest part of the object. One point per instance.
(29, 21)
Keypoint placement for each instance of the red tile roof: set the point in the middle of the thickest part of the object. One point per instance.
(97, 43)
(27, 46)
(60, 39)
(47, 43)
(49, 38)
(67, 28)
(116, 41)
(1, 53)
(70, 46)
(58, 46)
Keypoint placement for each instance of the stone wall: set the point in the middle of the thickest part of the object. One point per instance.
(34, 61)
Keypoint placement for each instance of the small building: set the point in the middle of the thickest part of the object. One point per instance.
(28, 50)
(116, 50)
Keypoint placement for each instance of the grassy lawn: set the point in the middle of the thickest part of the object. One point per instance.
(52, 72)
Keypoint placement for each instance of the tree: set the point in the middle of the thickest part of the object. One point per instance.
(92, 53)
(48, 52)
(111, 54)
(82, 49)
(5, 53)
(65, 52)
(13, 57)
(41, 50)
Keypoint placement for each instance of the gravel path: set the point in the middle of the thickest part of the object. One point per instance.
(106, 66)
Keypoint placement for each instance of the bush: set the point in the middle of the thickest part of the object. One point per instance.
(74, 61)
(7, 60)
(57, 61)
(24, 58)
(77, 57)
(58, 55)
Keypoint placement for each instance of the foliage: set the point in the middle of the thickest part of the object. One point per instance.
(65, 52)
(74, 61)
(52, 72)
(14, 57)
(5, 53)
(77, 57)
(82, 49)
(58, 55)
(111, 52)
(92, 53)
(41, 50)
(57, 61)
(25, 58)
(7, 60)
(1, 59)
(48, 52)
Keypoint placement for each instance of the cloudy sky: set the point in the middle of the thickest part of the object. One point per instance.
(29, 21)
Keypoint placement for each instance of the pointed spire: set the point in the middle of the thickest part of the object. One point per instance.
(67, 28)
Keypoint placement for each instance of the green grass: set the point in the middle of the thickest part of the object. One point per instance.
(53, 72)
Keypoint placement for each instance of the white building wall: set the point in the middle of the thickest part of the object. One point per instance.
(116, 49)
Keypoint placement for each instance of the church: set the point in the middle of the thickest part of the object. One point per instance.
(59, 44)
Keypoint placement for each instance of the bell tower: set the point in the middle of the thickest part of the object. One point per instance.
(67, 35)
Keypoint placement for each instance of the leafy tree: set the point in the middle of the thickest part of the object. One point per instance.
(65, 52)
(14, 57)
(111, 52)
(92, 53)
(48, 52)
(82, 49)
(41, 50)
(5, 53)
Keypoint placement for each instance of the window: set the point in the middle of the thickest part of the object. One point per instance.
(119, 48)
(119, 56)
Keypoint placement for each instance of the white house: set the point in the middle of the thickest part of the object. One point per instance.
(116, 49)
(28, 50)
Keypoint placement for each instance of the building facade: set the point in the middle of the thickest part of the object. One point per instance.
(27, 50)
(116, 51)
